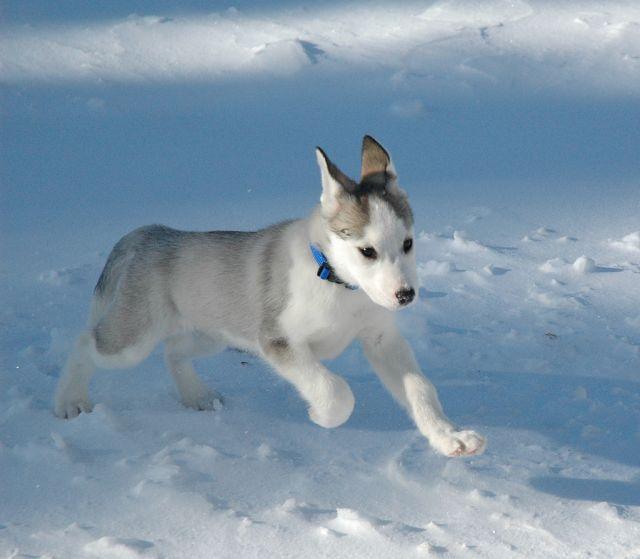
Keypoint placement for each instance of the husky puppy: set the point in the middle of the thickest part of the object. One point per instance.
(294, 293)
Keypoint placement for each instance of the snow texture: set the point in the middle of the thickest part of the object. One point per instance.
(513, 126)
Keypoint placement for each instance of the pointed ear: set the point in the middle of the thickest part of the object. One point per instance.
(375, 159)
(334, 184)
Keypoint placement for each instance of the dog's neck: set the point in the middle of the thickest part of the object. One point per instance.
(325, 269)
(319, 237)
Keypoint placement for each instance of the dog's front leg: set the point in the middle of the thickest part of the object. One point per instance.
(393, 360)
(329, 396)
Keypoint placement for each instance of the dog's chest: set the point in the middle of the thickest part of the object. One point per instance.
(331, 340)
(327, 324)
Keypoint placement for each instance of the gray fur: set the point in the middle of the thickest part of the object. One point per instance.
(132, 287)
(277, 349)
(353, 216)
(274, 260)
(143, 274)
(378, 182)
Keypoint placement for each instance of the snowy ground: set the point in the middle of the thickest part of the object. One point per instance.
(514, 126)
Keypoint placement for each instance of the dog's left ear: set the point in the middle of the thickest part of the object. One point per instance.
(376, 159)
(335, 184)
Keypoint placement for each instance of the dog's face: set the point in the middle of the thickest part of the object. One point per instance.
(370, 227)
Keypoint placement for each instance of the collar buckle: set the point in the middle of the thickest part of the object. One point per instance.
(325, 270)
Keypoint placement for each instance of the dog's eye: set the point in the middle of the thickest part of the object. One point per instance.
(369, 252)
(406, 246)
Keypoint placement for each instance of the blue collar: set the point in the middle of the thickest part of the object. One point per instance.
(325, 270)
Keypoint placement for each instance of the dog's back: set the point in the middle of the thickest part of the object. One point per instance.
(161, 279)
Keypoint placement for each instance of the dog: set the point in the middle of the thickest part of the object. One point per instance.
(294, 294)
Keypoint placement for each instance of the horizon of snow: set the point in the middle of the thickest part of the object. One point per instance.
(450, 46)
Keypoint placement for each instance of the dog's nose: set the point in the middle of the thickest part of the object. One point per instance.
(405, 296)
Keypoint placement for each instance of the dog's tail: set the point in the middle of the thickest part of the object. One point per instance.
(114, 268)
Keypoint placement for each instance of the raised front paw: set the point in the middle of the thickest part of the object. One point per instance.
(459, 443)
(332, 402)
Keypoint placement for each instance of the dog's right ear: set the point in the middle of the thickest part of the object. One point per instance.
(334, 184)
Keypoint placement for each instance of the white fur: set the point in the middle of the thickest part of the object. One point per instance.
(325, 321)
(391, 271)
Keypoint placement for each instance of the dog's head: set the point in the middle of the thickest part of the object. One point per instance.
(370, 227)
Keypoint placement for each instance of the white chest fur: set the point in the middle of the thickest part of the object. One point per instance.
(325, 316)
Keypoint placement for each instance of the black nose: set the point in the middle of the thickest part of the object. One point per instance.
(405, 296)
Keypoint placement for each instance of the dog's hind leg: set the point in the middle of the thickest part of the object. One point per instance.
(121, 338)
(179, 350)
(72, 392)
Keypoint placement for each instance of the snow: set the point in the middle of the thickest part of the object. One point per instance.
(459, 41)
(119, 548)
(512, 125)
(630, 242)
(584, 265)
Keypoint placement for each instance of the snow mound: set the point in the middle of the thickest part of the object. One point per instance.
(553, 300)
(351, 522)
(553, 266)
(545, 231)
(264, 451)
(281, 57)
(120, 548)
(430, 549)
(472, 12)
(584, 265)
(462, 243)
(492, 270)
(436, 268)
(629, 243)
